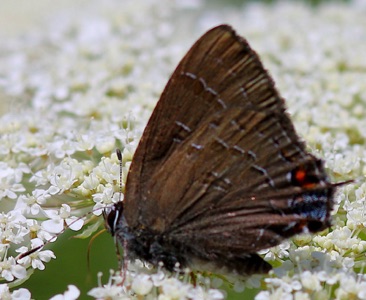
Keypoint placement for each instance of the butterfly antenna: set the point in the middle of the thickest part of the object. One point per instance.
(344, 182)
(122, 259)
(119, 156)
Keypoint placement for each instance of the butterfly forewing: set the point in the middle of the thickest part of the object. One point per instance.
(219, 165)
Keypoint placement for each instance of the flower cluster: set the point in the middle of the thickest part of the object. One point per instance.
(142, 284)
(77, 89)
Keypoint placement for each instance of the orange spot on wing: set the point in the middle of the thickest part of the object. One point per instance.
(302, 179)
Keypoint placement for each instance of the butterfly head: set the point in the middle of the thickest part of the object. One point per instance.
(112, 217)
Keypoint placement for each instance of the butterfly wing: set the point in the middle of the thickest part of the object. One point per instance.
(220, 158)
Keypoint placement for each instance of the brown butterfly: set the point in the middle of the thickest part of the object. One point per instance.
(220, 172)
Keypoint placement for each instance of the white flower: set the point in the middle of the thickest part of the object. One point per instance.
(36, 230)
(111, 290)
(356, 210)
(13, 227)
(108, 196)
(264, 295)
(328, 277)
(302, 296)
(10, 181)
(174, 289)
(343, 240)
(91, 182)
(32, 204)
(9, 269)
(57, 220)
(142, 284)
(20, 294)
(310, 281)
(284, 284)
(63, 148)
(85, 142)
(201, 293)
(64, 176)
(276, 294)
(108, 170)
(36, 259)
(71, 294)
(350, 287)
(105, 144)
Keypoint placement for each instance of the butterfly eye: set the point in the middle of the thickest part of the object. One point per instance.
(112, 217)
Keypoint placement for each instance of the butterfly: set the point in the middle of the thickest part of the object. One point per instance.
(219, 172)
